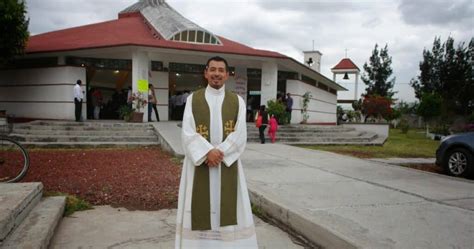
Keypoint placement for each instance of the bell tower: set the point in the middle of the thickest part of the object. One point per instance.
(347, 67)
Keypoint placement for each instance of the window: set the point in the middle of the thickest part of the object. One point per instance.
(196, 36)
(192, 36)
(199, 37)
(177, 37)
(184, 36)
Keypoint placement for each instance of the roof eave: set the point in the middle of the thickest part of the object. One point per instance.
(325, 79)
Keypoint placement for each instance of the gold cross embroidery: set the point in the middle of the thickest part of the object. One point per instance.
(203, 131)
(229, 127)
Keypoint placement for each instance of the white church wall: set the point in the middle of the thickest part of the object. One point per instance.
(45, 93)
(321, 108)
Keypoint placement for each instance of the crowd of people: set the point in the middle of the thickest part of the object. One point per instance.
(177, 103)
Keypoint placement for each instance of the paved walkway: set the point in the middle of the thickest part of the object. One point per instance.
(117, 228)
(343, 202)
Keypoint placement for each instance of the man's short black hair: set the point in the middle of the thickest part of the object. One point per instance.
(78, 82)
(217, 58)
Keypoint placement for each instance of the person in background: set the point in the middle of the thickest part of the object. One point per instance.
(289, 107)
(129, 97)
(152, 101)
(179, 105)
(97, 102)
(263, 115)
(273, 127)
(78, 97)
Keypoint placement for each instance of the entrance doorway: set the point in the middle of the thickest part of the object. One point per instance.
(107, 89)
(181, 85)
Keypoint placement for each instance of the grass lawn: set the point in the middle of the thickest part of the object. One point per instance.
(411, 145)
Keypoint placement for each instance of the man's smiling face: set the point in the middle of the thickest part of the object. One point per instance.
(216, 74)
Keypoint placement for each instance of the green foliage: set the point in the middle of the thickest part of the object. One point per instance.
(13, 29)
(470, 119)
(354, 116)
(339, 112)
(406, 108)
(402, 109)
(430, 106)
(73, 203)
(404, 126)
(377, 73)
(306, 98)
(441, 129)
(278, 109)
(397, 145)
(125, 112)
(447, 71)
(357, 105)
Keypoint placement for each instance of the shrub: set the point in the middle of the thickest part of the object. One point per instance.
(125, 112)
(279, 110)
(377, 107)
(304, 111)
(404, 126)
(442, 129)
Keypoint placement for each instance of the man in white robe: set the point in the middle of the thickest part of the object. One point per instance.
(214, 154)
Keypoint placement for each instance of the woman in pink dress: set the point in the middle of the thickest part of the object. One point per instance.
(273, 128)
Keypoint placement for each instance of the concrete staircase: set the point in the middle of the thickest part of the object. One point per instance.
(316, 134)
(27, 220)
(84, 134)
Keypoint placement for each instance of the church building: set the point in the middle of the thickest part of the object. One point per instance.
(151, 43)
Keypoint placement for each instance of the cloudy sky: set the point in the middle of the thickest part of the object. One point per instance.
(290, 26)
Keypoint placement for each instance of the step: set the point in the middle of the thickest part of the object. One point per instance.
(286, 129)
(16, 201)
(86, 124)
(62, 138)
(89, 144)
(108, 132)
(81, 128)
(312, 134)
(38, 227)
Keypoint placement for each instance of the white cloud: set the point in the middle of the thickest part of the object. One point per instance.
(290, 26)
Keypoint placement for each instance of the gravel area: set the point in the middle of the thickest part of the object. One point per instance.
(136, 179)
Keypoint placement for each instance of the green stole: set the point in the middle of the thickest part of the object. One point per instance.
(201, 200)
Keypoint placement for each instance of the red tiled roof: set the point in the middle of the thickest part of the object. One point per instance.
(125, 31)
(345, 64)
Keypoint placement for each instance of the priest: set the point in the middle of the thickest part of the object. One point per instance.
(213, 206)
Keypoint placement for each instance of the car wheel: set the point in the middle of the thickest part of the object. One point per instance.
(458, 162)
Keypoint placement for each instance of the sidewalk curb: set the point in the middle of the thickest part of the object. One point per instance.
(293, 220)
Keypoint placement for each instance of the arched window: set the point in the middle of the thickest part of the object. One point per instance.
(196, 36)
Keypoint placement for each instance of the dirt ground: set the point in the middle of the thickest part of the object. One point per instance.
(137, 179)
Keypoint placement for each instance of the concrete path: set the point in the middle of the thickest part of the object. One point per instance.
(107, 227)
(343, 202)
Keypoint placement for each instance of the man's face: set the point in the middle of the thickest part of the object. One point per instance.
(216, 74)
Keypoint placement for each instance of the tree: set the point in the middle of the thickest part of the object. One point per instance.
(430, 106)
(448, 72)
(377, 73)
(377, 107)
(14, 29)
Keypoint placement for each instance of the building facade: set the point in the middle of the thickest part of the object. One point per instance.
(150, 43)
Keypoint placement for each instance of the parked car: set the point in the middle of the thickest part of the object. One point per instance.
(456, 154)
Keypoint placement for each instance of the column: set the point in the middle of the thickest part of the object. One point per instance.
(269, 82)
(140, 67)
